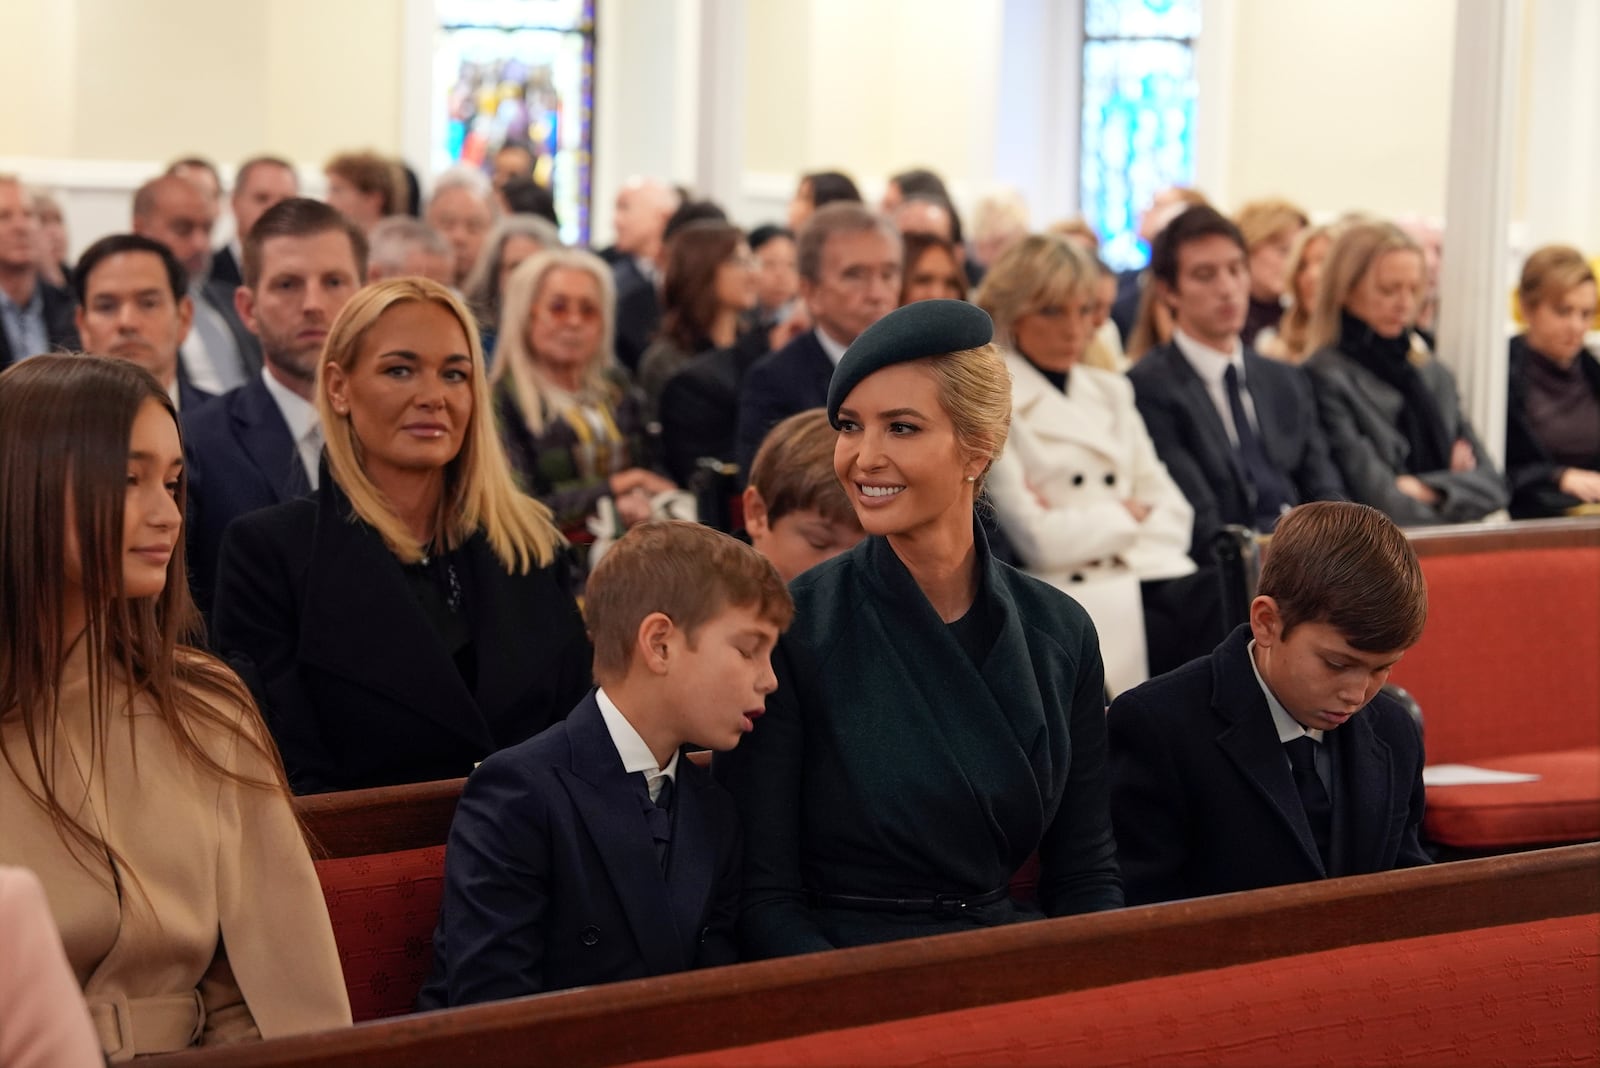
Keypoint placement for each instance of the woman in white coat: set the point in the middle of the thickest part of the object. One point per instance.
(1079, 489)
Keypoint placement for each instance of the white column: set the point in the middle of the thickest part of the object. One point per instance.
(720, 88)
(1039, 96)
(1563, 116)
(1474, 276)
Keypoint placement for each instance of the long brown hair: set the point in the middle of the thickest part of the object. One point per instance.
(694, 256)
(65, 426)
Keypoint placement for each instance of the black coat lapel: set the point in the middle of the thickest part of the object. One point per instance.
(1252, 744)
(1363, 799)
(819, 365)
(606, 798)
(265, 436)
(1198, 399)
(362, 623)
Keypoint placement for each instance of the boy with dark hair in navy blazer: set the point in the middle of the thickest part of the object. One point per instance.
(594, 852)
(1276, 759)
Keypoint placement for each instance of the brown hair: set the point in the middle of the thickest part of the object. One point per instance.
(1349, 566)
(1152, 324)
(1550, 274)
(1262, 220)
(1292, 329)
(840, 217)
(298, 217)
(688, 572)
(793, 470)
(372, 173)
(695, 253)
(65, 425)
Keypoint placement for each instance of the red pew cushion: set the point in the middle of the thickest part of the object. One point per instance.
(1521, 994)
(1510, 659)
(1563, 806)
(384, 908)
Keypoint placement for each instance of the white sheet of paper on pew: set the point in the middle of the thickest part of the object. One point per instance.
(1468, 775)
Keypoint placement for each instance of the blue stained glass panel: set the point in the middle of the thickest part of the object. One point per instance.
(1137, 136)
(1141, 18)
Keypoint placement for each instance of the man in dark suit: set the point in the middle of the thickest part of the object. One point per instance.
(35, 317)
(1238, 433)
(850, 262)
(133, 304)
(1276, 759)
(260, 444)
(260, 183)
(595, 851)
(220, 353)
(643, 207)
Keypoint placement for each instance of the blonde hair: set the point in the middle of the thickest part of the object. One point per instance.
(1262, 220)
(1354, 251)
(1550, 274)
(1039, 270)
(1076, 227)
(975, 391)
(514, 357)
(1152, 324)
(480, 493)
(1291, 340)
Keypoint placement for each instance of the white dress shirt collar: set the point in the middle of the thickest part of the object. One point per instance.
(300, 416)
(1209, 363)
(635, 754)
(834, 349)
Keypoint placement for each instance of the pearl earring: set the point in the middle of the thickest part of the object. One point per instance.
(972, 478)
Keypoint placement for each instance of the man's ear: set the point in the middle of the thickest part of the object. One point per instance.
(1266, 622)
(653, 643)
(755, 514)
(244, 302)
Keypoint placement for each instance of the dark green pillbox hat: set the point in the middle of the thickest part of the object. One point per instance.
(925, 328)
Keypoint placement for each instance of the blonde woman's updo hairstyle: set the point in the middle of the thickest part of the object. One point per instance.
(1355, 249)
(1036, 272)
(975, 389)
(480, 492)
(1550, 274)
(514, 358)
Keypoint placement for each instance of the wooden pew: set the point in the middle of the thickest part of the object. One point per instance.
(385, 819)
(770, 1000)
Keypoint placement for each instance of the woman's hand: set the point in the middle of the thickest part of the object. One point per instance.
(1462, 457)
(1138, 509)
(1416, 489)
(633, 490)
(1584, 485)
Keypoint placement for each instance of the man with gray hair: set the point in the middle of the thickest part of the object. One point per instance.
(401, 246)
(850, 262)
(643, 207)
(461, 209)
(35, 316)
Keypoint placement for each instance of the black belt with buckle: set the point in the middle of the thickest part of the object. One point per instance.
(937, 905)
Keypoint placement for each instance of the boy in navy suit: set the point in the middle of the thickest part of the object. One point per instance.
(594, 851)
(1276, 759)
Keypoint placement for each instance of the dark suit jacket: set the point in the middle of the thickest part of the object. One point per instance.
(59, 326)
(777, 386)
(700, 406)
(318, 617)
(889, 764)
(1530, 470)
(1191, 440)
(551, 876)
(638, 312)
(240, 458)
(1360, 413)
(1204, 802)
(225, 269)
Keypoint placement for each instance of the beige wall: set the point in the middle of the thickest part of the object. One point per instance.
(113, 80)
(1342, 106)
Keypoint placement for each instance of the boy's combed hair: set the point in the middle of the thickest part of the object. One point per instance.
(793, 470)
(685, 571)
(1349, 566)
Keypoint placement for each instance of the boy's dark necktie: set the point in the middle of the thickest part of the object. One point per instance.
(1313, 795)
(658, 814)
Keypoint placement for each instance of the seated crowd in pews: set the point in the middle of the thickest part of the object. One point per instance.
(298, 530)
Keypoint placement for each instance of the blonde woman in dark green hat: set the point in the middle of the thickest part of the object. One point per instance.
(940, 716)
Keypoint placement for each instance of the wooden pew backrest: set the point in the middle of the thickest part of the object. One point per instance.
(385, 819)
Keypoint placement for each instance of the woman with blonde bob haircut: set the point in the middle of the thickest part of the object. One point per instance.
(1391, 412)
(939, 715)
(571, 423)
(1080, 491)
(138, 781)
(414, 614)
(1288, 341)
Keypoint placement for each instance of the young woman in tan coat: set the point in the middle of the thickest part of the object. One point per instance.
(138, 781)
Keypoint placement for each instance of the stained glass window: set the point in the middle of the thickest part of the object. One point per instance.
(519, 72)
(1137, 133)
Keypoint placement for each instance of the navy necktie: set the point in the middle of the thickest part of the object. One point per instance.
(658, 814)
(1271, 496)
(1313, 795)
